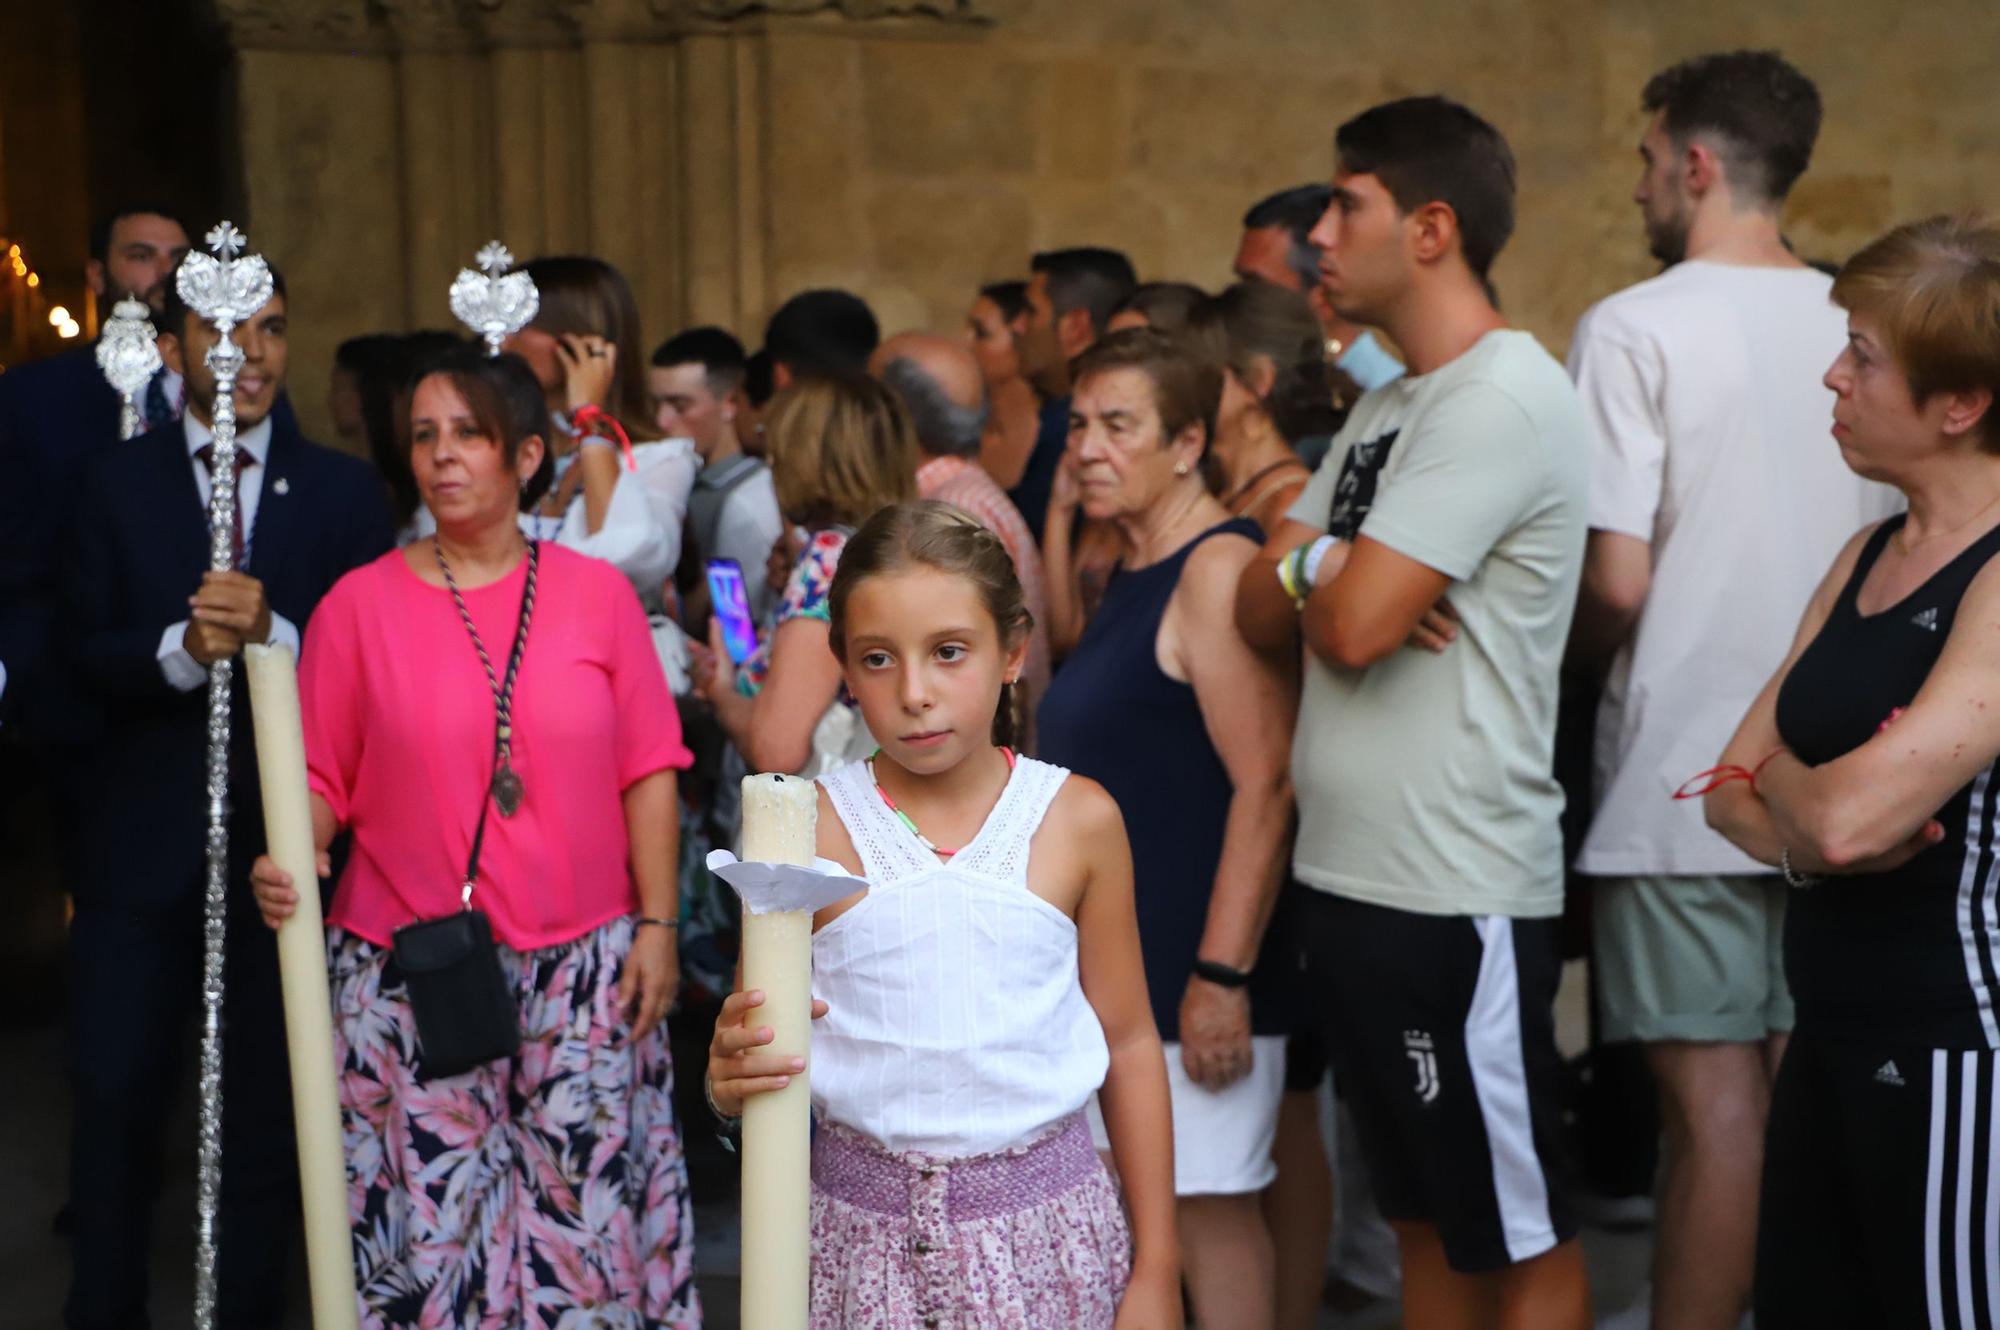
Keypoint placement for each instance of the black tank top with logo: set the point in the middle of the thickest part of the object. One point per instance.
(1911, 955)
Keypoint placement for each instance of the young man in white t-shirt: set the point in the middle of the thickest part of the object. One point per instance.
(1710, 461)
(1427, 812)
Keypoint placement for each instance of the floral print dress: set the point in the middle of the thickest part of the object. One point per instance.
(805, 597)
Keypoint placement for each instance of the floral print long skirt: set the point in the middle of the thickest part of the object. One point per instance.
(546, 1190)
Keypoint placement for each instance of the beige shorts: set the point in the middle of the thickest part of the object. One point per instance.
(1690, 958)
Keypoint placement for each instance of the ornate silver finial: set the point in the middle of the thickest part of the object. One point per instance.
(223, 288)
(128, 352)
(225, 239)
(494, 303)
(494, 258)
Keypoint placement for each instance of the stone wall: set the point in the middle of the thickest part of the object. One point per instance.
(728, 152)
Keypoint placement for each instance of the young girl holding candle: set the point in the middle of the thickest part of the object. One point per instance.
(975, 994)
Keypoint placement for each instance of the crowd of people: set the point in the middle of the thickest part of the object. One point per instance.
(1181, 671)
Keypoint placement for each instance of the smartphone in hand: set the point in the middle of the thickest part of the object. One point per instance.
(731, 600)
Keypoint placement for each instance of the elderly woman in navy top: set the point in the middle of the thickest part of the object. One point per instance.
(1190, 730)
(1865, 772)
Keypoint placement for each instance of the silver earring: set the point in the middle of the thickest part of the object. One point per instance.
(1180, 468)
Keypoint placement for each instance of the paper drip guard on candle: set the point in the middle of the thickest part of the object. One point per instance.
(780, 888)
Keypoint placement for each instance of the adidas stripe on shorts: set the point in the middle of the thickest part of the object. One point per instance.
(1442, 1032)
(1881, 1196)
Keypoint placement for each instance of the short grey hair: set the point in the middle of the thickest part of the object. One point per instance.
(944, 428)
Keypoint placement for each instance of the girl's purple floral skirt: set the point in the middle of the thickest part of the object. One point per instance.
(1030, 1238)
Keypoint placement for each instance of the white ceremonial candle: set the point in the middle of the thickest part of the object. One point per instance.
(780, 817)
(288, 831)
(780, 820)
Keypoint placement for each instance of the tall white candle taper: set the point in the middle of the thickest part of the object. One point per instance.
(780, 817)
(281, 765)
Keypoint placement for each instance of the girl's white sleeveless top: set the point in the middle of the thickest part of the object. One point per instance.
(957, 1022)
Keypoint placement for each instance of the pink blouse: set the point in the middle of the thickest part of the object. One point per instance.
(399, 741)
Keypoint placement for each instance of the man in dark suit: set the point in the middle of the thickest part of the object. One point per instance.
(53, 414)
(134, 249)
(139, 621)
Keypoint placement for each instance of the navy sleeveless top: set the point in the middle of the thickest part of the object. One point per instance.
(1912, 955)
(1113, 715)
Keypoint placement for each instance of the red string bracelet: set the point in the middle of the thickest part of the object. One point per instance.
(608, 427)
(1717, 777)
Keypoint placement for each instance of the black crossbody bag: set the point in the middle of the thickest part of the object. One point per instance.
(465, 1010)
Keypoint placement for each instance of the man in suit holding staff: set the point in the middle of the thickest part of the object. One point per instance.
(140, 619)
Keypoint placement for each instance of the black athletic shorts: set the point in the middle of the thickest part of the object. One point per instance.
(1881, 1195)
(1442, 1031)
(1306, 1062)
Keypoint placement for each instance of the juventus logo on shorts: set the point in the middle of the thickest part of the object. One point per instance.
(1418, 1048)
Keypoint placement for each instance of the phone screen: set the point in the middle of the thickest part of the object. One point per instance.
(732, 608)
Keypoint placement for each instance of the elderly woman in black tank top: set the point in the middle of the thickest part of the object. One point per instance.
(1190, 730)
(1865, 772)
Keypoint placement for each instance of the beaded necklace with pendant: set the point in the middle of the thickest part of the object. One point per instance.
(506, 786)
(908, 822)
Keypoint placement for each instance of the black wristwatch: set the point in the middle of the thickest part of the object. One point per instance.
(1222, 976)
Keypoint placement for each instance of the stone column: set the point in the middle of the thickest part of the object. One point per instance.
(720, 185)
(444, 152)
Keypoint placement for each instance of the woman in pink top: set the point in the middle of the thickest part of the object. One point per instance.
(537, 1186)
